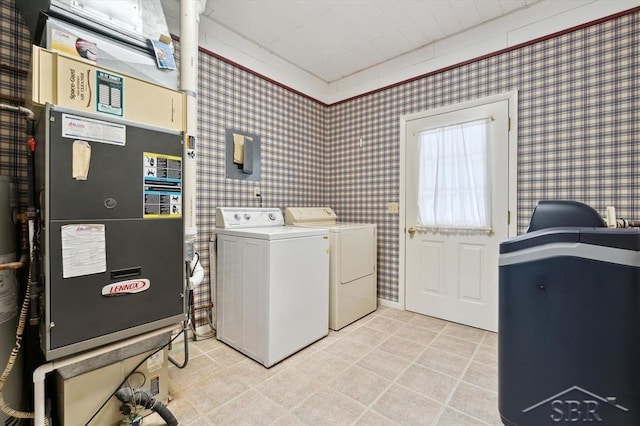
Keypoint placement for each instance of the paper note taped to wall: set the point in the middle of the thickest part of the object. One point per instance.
(83, 250)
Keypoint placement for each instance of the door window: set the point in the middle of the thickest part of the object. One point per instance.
(453, 184)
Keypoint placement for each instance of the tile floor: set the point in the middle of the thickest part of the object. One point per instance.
(389, 368)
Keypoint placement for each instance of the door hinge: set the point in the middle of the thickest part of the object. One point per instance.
(509, 124)
(508, 217)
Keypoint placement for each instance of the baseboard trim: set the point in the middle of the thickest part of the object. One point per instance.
(390, 304)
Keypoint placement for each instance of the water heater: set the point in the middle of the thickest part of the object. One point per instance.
(9, 294)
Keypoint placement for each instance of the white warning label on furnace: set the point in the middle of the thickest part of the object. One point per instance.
(75, 127)
(162, 186)
(155, 362)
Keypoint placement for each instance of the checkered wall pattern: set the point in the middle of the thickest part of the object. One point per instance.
(15, 57)
(294, 166)
(578, 111)
(577, 133)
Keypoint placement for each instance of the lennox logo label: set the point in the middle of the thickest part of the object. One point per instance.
(126, 287)
(576, 405)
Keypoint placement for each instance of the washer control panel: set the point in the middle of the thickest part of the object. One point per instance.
(245, 217)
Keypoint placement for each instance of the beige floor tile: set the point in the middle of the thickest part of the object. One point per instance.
(182, 410)
(371, 418)
(356, 324)
(464, 332)
(407, 407)
(296, 358)
(328, 407)
(350, 327)
(348, 349)
(321, 366)
(196, 367)
(443, 362)
(379, 310)
(287, 420)
(226, 356)
(251, 372)
(288, 388)
(368, 336)
(385, 324)
(491, 339)
(200, 421)
(360, 384)
(453, 345)
(403, 348)
(487, 355)
(250, 408)
(383, 363)
(428, 382)
(211, 391)
(476, 402)
(154, 420)
(431, 323)
(206, 345)
(382, 309)
(482, 375)
(416, 334)
(398, 315)
(451, 417)
(327, 340)
(334, 380)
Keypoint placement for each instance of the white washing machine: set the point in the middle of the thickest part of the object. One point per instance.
(272, 283)
(352, 277)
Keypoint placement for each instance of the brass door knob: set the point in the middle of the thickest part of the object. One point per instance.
(412, 231)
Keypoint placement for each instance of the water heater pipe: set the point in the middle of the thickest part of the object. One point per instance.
(25, 112)
(190, 11)
(15, 265)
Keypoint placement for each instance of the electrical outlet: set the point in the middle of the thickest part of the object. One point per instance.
(256, 192)
(393, 208)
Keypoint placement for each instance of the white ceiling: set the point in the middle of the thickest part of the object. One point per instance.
(334, 39)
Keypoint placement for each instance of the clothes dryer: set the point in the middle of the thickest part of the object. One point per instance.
(272, 286)
(352, 260)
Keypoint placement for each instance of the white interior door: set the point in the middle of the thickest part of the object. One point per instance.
(452, 272)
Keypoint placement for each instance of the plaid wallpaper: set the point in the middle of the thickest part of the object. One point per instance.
(294, 166)
(577, 135)
(15, 57)
(578, 115)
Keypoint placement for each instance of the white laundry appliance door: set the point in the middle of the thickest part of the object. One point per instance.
(242, 293)
(272, 295)
(353, 290)
(298, 295)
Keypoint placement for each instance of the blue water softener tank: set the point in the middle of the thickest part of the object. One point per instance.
(569, 330)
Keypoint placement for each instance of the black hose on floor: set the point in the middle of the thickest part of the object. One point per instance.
(127, 395)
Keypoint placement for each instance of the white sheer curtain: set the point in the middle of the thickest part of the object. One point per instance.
(453, 187)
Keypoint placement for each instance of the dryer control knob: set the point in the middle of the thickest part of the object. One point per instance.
(247, 216)
(272, 216)
(237, 216)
